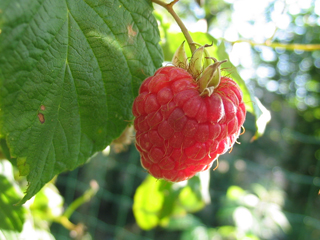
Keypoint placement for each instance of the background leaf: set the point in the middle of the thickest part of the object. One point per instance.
(69, 71)
(12, 217)
(174, 40)
(252, 103)
(148, 202)
(158, 202)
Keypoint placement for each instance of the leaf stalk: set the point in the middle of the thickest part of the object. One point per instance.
(184, 30)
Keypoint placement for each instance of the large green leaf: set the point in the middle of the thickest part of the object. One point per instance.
(11, 217)
(69, 71)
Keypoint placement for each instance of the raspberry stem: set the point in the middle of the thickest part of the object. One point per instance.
(184, 30)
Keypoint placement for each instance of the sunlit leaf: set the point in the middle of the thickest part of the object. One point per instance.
(252, 103)
(226, 231)
(196, 233)
(235, 192)
(175, 40)
(158, 202)
(280, 218)
(183, 223)
(148, 202)
(193, 197)
(12, 217)
(47, 204)
(243, 218)
(230, 232)
(263, 116)
(259, 190)
(190, 201)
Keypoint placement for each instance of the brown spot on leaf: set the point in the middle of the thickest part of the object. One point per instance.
(43, 107)
(41, 117)
(131, 33)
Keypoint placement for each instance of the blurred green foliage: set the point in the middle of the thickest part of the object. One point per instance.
(11, 217)
(156, 202)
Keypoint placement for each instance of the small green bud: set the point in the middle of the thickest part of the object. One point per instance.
(210, 78)
(180, 57)
(195, 66)
(207, 59)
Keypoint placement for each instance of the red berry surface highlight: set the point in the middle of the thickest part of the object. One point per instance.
(180, 133)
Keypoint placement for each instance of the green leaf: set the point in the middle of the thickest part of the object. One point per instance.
(158, 202)
(148, 203)
(190, 201)
(170, 196)
(69, 71)
(223, 232)
(195, 195)
(195, 233)
(47, 204)
(174, 40)
(183, 223)
(12, 217)
(6, 152)
(263, 116)
(233, 73)
(235, 193)
(252, 103)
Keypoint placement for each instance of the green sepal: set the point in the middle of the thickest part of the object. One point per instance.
(196, 66)
(210, 78)
(207, 59)
(180, 58)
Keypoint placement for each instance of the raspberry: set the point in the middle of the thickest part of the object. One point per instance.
(180, 132)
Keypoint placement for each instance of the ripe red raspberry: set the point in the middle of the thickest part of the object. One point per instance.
(179, 132)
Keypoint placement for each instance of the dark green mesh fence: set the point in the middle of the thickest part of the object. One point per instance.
(109, 214)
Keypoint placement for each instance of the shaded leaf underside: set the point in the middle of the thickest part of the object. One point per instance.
(69, 71)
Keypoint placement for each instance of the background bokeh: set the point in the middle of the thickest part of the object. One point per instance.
(263, 189)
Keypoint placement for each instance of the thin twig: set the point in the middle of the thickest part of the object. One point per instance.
(65, 222)
(293, 46)
(184, 30)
